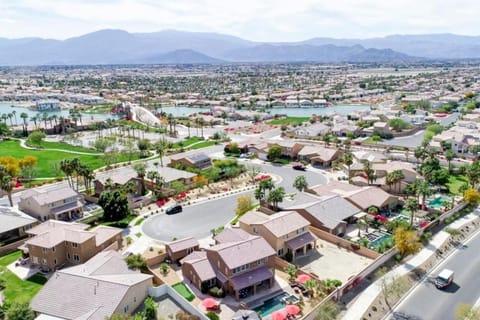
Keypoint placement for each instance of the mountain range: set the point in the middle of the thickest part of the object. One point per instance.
(181, 47)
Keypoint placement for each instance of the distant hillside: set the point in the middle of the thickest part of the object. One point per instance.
(171, 46)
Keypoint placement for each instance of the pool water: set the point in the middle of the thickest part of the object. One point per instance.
(274, 304)
(438, 203)
(379, 241)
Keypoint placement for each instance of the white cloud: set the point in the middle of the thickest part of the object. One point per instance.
(264, 20)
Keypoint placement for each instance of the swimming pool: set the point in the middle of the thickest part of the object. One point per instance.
(379, 239)
(438, 202)
(274, 304)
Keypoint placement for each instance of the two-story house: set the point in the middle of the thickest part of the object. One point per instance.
(289, 149)
(56, 243)
(195, 160)
(241, 267)
(59, 204)
(95, 290)
(286, 232)
(179, 249)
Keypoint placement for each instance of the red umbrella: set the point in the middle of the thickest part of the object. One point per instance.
(381, 218)
(278, 315)
(209, 303)
(292, 309)
(303, 278)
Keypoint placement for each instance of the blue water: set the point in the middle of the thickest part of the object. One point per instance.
(377, 242)
(438, 203)
(273, 304)
(7, 108)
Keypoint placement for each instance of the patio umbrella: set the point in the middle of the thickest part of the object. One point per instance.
(209, 303)
(278, 315)
(292, 309)
(303, 278)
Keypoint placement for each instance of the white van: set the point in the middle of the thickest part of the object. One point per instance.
(444, 278)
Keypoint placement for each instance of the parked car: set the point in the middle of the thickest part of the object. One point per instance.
(299, 166)
(444, 279)
(174, 209)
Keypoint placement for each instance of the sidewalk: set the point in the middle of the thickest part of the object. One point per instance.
(140, 244)
(363, 302)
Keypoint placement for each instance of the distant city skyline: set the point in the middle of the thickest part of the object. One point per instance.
(257, 20)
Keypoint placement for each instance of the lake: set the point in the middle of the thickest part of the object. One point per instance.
(185, 111)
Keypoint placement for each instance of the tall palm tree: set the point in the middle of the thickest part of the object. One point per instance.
(34, 120)
(423, 190)
(369, 172)
(24, 116)
(412, 206)
(390, 180)
(188, 125)
(45, 119)
(348, 160)
(398, 178)
(10, 116)
(6, 184)
(4, 117)
(15, 115)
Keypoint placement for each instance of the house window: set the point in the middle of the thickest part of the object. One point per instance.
(45, 250)
(255, 230)
(44, 261)
(189, 250)
(285, 236)
(53, 249)
(68, 256)
(134, 299)
(75, 245)
(55, 261)
(76, 257)
(125, 309)
(280, 252)
(35, 260)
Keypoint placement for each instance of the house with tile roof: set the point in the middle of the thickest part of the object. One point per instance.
(45, 204)
(94, 290)
(287, 232)
(54, 244)
(14, 224)
(179, 249)
(240, 267)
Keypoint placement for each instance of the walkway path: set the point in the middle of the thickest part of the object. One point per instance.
(367, 297)
(23, 144)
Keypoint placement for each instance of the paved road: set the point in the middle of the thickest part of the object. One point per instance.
(416, 139)
(197, 220)
(426, 302)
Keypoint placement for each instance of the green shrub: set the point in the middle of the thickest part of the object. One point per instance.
(212, 315)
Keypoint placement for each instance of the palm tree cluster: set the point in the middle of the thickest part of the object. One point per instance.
(6, 183)
(394, 178)
(266, 192)
(74, 168)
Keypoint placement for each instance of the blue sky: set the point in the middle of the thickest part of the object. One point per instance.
(260, 20)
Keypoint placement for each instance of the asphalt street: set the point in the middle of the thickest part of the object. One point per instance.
(426, 302)
(197, 220)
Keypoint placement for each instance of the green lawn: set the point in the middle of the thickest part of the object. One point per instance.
(202, 145)
(17, 289)
(183, 291)
(64, 146)
(455, 182)
(48, 159)
(289, 120)
(186, 142)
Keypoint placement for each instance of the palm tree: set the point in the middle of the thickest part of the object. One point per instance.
(170, 122)
(34, 120)
(67, 168)
(4, 117)
(24, 116)
(6, 184)
(188, 124)
(423, 190)
(276, 196)
(420, 154)
(45, 119)
(390, 180)
(141, 170)
(201, 122)
(369, 172)
(10, 116)
(449, 156)
(412, 206)
(398, 178)
(15, 115)
(348, 161)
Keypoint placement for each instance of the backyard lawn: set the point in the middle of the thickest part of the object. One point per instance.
(289, 120)
(455, 183)
(47, 160)
(183, 291)
(203, 144)
(17, 289)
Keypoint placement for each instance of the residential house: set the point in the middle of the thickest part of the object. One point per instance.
(179, 249)
(121, 179)
(241, 267)
(313, 130)
(455, 137)
(343, 129)
(362, 197)
(14, 224)
(330, 213)
(381, 127)
(290, 148)
(319, 155)
(286, 232)
(60, 204)
(56, 243)
(95, 290)
(193, 160)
